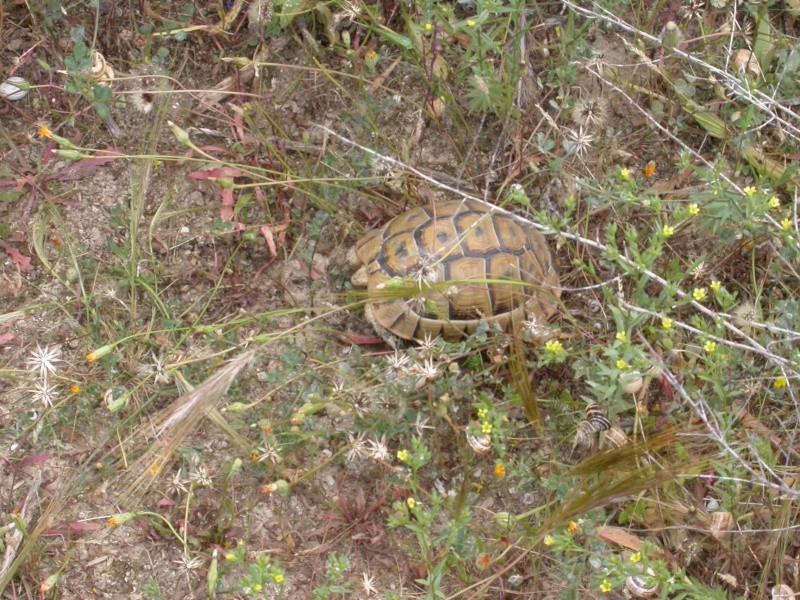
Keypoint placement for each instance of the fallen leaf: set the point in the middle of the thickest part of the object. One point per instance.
(217, 173)
(364, 340)
(226, 208)
(72, 529)
(620, 537)
(34, 459)
(266, 233)
(24, 262)
(88, 166)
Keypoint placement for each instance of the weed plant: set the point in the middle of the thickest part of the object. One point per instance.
(208, 366)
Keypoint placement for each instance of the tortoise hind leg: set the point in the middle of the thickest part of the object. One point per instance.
(392, 340)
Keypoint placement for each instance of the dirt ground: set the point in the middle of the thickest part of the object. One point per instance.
(284, 249)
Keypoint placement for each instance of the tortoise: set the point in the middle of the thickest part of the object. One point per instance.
(463, 263)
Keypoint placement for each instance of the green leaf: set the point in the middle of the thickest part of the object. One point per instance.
(289, 10)
(394, 37)
(764, 42)
(77, 35)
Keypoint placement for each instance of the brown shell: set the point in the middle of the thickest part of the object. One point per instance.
(468, 265)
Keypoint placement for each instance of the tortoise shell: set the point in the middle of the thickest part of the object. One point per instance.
(463, 263)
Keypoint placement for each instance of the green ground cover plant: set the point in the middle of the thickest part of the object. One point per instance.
(188, 379)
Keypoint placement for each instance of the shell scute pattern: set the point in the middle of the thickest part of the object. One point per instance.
(484, 239)
(470, 265)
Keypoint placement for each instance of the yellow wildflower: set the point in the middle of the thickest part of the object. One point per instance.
(636, 557)
(572, 527)
(666, 323)
(710, 347)
(749, 191)
(621, 365)
(625, 174)
(699, 294)
(548, 540)
(411, 503)
(716, 285)
(99, 353)
(621, 337)
(120, 519)
(779, 383)
(693, 209)
(402, 455)
(606, 586)
(486, 427)
(278, 578)
(371, 59)
(471, 22)
(667, 231)
(499, 470)
(786, 224)
(44, 131)
(553, 346)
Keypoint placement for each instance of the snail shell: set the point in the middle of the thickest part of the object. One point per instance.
(13, 88)
(632, 382)
(641, 587)
(481, 444)
(101, 70)
(721, 524)
(616, 437)
(98, 64)
(585, 436)
(782, 592)
(745, 62)
(596, 416)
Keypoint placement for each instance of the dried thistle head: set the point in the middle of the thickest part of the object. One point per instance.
(691, 10)
(745, 314)
(142, 100)
(700, 271)
(590, 112)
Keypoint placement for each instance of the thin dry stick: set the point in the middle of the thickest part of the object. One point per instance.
(750, 345)
(763, 102)
(766, 477)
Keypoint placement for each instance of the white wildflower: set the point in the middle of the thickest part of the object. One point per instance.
(188, 563)
(44, 360)
(421, 424)
(177, 484)
(428, 369)
(268, 453)
(368, 584)
(427, 343)
(398, 362)
(378, 450)
(358, 447)
(577, 142)
(45, 392)
(200, 476)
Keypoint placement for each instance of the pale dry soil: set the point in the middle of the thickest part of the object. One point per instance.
(86, 244)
